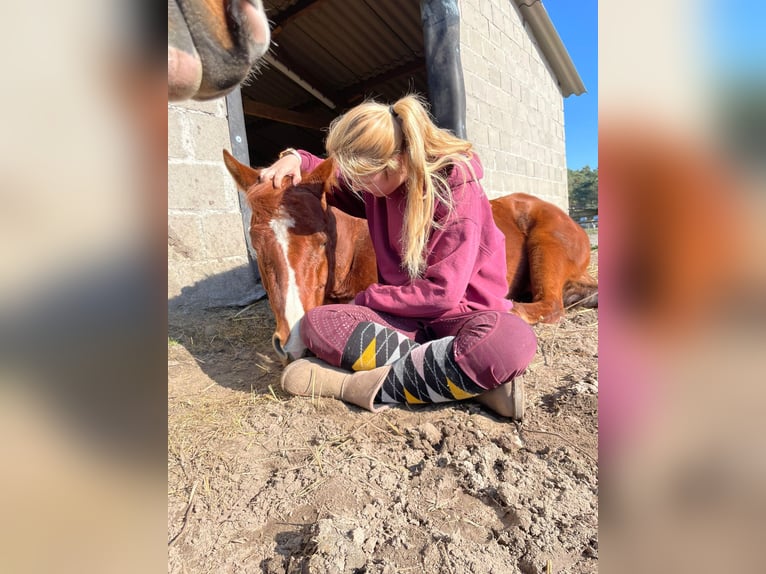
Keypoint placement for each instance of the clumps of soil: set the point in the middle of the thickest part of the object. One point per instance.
(259, 481)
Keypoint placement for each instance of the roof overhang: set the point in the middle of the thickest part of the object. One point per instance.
(533, 12)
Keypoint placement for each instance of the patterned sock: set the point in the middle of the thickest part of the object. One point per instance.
(427, 374)
(372, 345)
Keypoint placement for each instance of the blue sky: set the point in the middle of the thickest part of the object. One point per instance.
(736, 40)
(577, 25)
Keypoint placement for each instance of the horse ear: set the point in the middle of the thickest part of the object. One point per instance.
(323, 173)
(243, 175)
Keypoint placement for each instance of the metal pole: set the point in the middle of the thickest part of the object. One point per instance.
(239, 150)
(441, 38)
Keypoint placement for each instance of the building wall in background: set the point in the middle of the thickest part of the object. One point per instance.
(207, 255)
(514, 108)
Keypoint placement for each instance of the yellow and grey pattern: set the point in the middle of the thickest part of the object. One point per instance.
(372, 345)
(428, 374)
(419, 374)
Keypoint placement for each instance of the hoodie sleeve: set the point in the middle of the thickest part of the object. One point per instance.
(341, 197)
(450, 266)
(309, 161)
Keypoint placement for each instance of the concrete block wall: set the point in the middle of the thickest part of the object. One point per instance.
(514, 108)
(207, 254)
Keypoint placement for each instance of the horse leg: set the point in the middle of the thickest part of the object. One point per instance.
(516, 261)
(548, 271)
(581, 291)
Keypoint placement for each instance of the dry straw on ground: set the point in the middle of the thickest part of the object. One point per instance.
(262, 482)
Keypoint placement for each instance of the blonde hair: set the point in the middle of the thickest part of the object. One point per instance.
(370, 138)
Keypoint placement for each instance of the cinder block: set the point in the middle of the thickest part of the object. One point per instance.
(480, 90)
(215, 107)
(499, 11)
(209, 136)
(519, 183)
(481, 68)
(176, 129)
(494, 142)
(224, 235)
(469, 14)
(185, 239)
(486, 7)
(199, 187)
(485, 115)
(494, 76)
(481, 137)
(509, 139)
(495, 96)
(514, 108)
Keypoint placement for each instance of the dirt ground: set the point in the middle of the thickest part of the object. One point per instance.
(259, 481)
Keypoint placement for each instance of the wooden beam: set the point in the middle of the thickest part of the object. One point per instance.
(284, 116)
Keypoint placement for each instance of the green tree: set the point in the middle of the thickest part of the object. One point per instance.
(583, 188)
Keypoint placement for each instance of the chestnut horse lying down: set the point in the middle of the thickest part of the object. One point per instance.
(212, 45)
(310, 253)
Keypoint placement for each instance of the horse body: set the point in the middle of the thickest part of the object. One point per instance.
(310, 253)
(547, 255)
(212, 45)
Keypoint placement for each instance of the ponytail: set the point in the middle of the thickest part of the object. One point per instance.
(371, 137)
(429, 151)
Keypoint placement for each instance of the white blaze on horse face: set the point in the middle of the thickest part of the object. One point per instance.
(294, 347)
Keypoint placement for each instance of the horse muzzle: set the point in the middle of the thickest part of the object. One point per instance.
(290, 351)
(213, 46)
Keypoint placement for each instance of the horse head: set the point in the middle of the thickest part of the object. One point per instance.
(294, 234)
(212, 45)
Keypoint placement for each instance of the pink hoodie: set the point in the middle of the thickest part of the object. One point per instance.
(465, 265)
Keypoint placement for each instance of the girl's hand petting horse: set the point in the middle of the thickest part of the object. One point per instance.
(288, 165)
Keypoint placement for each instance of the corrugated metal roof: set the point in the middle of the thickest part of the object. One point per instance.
(349, 50)
(340, 43)
(346, 50)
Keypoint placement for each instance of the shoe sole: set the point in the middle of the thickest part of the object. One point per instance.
(518, 394)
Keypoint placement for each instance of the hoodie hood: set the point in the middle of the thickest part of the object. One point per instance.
(460, 174)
